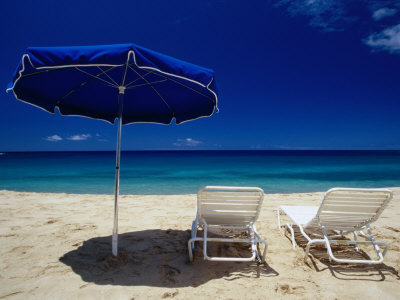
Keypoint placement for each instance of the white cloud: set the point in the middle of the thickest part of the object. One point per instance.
(53, 138)
(328, 15)
(79, 137)
(388, 39)
(336, 15)
(383, 13)
(187, 142)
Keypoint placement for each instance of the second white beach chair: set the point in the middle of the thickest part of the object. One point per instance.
(344, 210)
(228, 211)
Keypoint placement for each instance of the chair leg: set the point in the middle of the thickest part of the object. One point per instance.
(190, 246)
(194, 230)
(260, 240)
(193, 239)
(355, 239)
(292, 233)
(377, 249)
(190, 249)
(279, 218)
(252, 241)
(205, 241)
(370, 239)
(310, 242)
(257, 240)
(288, 226)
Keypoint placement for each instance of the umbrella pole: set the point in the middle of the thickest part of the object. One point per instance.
(115, 228)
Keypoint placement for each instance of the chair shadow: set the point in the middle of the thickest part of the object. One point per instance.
(156, 258)
(344, 271)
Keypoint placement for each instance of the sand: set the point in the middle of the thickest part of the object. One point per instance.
(57, 246)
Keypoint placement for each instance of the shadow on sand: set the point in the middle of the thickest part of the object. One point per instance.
(157, 258)
(319, 257)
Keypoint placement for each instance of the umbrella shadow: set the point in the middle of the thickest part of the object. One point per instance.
(344, 271)
(156, 258)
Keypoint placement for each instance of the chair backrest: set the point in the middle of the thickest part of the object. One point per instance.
(346, 208)
(231, 206)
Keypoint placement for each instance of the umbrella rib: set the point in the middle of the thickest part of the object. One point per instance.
(116, 84)
(154, 89)
(133, 81)
(96, 76)
(143, 84)
(124, 74)
(40, 72)
(87, 73)
(184, 85)
(92, 77)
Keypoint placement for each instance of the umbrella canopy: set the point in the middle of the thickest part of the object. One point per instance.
(86, 81)
(125, 82)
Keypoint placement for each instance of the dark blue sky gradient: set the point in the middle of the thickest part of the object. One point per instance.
(283, 84)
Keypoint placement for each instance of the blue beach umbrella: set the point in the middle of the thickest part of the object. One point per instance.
(125, 82)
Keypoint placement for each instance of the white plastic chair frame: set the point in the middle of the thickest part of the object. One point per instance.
(367, 200)
(229, 211)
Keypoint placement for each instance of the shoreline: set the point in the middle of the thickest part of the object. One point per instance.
(57, 245)
(394, 189)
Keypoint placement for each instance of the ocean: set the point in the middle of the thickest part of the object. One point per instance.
(184, 172)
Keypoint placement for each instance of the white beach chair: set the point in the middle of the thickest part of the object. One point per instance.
(228, 211)
(342, 209)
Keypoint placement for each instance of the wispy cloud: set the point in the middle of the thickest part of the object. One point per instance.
(99, 138)
(188, 142)
(383, 13)
(337, 15)
(79, 137)
(53, 138)
(388, 39)
(328, 15)
(287, 147)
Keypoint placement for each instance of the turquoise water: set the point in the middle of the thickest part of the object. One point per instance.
(182, 172)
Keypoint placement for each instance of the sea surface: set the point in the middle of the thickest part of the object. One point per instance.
(183, 172)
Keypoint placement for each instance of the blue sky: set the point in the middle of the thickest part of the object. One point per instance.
(291, 74)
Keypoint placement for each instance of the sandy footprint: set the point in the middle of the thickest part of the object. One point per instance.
(20, 250)
(168, 273)
(51, 221)
(170, 294)
(287, 289)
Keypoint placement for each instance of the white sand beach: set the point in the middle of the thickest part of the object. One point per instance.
(57, 246)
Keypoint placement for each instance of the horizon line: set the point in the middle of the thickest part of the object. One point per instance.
(201, 150)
